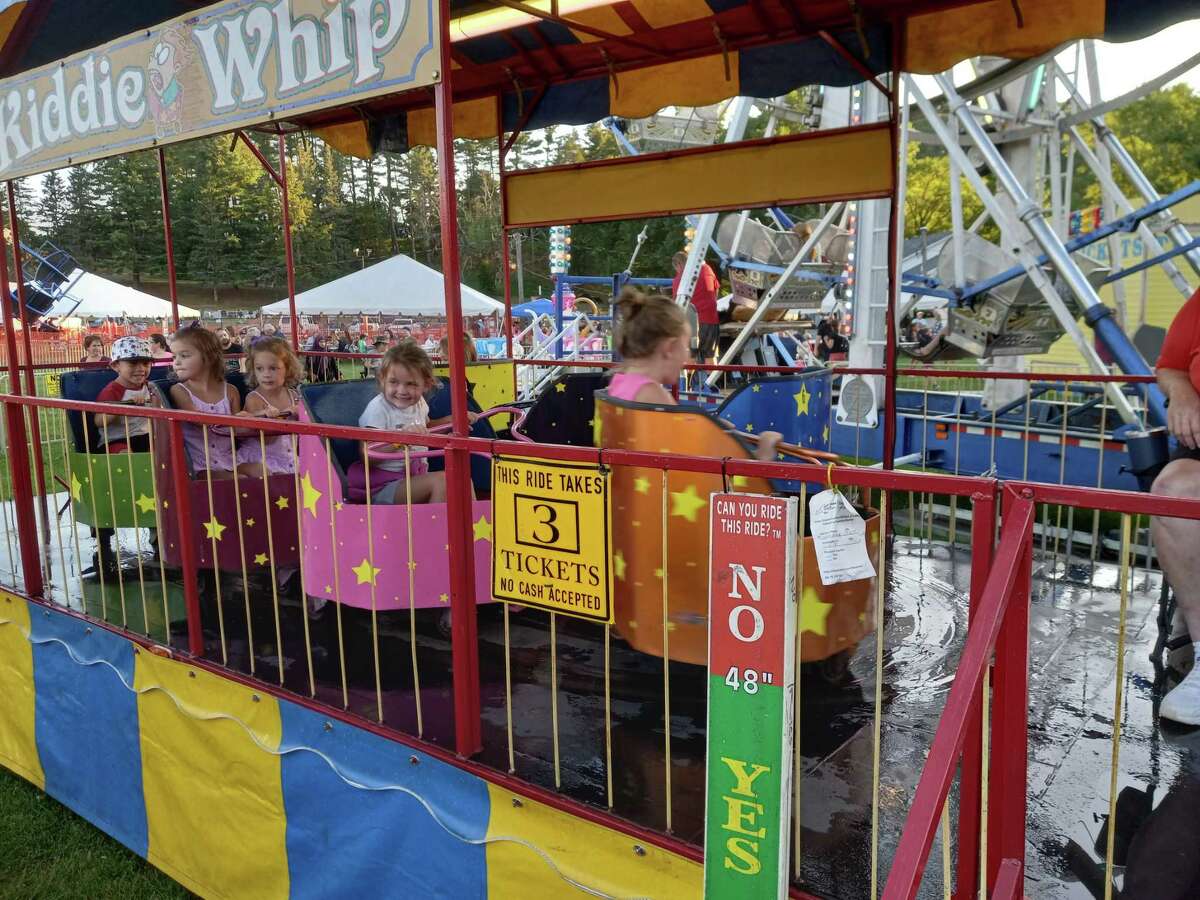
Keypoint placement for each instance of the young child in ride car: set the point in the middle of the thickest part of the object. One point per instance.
(273, 373)
(201, 387)
(131, 358)
(405, 377)
(654, 339)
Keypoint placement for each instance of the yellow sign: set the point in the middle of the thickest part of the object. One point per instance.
(227, 66)
(553, 536)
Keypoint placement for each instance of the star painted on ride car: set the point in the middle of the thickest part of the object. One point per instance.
(144, 503)
(756, 388)
(261, 559)
(813, 613)
(282, 502)
(214, 529)
(641, 485)
(482, 529)
(365, 573)
(561, 387)
(249, 523)
(619, 565)
(76, 487)
(687, 503)
(311, 494)
(444, 598)
(802, 398)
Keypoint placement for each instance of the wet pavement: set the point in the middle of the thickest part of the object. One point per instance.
(1073, 639)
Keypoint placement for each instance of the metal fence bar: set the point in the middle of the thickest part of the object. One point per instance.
(934, 786)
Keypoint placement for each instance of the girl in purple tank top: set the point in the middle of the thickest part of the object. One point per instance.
(654, 339)
(200, 370)
(274, 373)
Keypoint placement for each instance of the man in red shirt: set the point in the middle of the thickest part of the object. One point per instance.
(704, 298)
(1177, 541)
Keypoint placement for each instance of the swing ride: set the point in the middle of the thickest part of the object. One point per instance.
(286, 685)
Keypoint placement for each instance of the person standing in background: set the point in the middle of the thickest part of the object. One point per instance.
(704, 299)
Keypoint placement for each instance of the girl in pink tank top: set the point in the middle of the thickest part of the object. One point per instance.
(654, 339)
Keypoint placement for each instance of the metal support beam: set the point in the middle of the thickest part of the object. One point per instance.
(1031, 217)
(1175, 230)
(765, 304)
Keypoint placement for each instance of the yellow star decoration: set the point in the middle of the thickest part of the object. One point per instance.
(329, 588)
(339, 506)
(144, 503)
(802, 399)
(76, 487)
(365, 573)
(658, 573)
(261, 559)
(750, 426)
(282, 502)
(687, 503)
(561, 387)
(740, 480)
(619, 565)
(311, 494)
(813, 612)
(756, 388)
(482, 529)
(444, 598)
(825, 434)
(641, 485)
(214, 529)
(249, 523)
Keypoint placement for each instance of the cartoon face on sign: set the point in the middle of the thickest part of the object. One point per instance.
(169, 57)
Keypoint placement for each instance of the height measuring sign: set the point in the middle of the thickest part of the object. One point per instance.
(751, 686)
(552, 536)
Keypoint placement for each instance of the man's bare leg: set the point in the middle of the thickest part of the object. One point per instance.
(1177, 543)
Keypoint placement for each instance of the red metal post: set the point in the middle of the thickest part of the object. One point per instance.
(1008, 781)
(35, 427)
(908, 862)
(18, 446)
(464, 639)
(168, 236)
(983, 530)
(287, 239)
(187, 550)
(501, 153)
(889, 351)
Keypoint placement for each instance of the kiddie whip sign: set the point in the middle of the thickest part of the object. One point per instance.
(233, 64)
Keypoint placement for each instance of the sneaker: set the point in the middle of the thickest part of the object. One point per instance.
(1182, 704)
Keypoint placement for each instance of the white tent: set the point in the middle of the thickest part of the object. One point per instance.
(89, 296)
(398, 286)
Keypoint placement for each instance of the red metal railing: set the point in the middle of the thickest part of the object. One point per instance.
(999, 600)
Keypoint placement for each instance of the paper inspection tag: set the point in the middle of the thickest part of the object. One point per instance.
(840, 539)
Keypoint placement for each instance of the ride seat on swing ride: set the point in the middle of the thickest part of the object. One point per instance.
(104, 488)
(833, 618)
(752, 242)
(397, 555)
(249, 521)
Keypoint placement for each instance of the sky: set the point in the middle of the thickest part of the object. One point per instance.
(1124, 66)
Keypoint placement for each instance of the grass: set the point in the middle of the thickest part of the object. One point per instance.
(48, 852)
